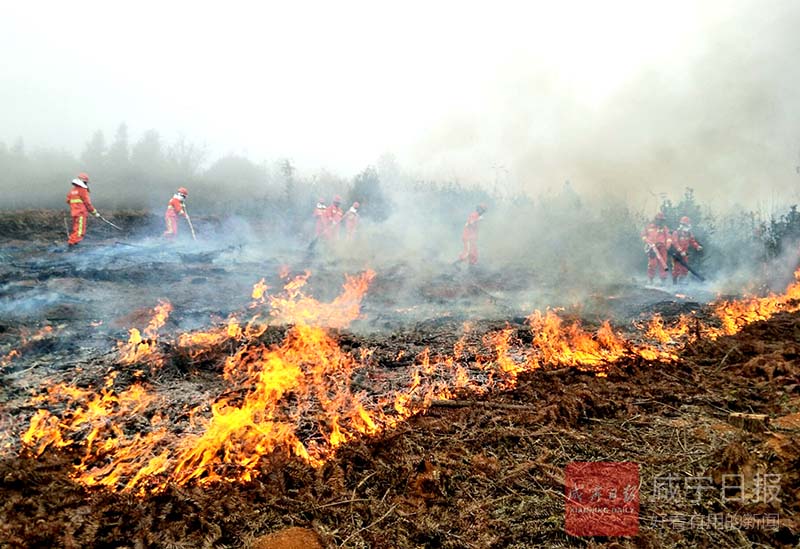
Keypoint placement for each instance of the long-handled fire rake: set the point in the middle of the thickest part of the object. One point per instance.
(189, 221)
(109, 222)
(677, 257)
(651, 247)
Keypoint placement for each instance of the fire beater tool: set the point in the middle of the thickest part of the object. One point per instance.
(652, 248)
(191, 227)
(129, 244)
(109, 222)
(677, 257)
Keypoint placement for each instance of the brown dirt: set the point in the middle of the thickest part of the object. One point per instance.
(291, 538)
(482, 475)
(476, 476)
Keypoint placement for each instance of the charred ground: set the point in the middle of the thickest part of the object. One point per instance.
(477, 472)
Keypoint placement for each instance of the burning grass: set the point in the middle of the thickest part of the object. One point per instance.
(361, 444)
(300, 398)
(729, 317)
(27, 341)
(476, 474)
(275, 396)
(142, 347)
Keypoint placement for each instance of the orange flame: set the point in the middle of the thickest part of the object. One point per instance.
(140, 349)
(87, 411)
(259, 291)
(298, 398)
(199, 342)
(732, 316)
(735, 315)
(25, 341)
(572, 346)
(660, 332)
(297, 308)
(11, 355)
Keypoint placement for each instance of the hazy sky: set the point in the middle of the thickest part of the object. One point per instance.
(450, 87)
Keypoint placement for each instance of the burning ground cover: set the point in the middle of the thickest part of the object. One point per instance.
(474, 473)
(438, 432)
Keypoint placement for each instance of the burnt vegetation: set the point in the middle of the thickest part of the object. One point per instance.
(477, 406)
(480, 473)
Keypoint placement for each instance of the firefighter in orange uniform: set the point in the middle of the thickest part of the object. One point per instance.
(333, 217)
(351, 220)
(657, 240)
(321, 218)
(682, 239)
(80, 206)
(174, 209)
(469, 236)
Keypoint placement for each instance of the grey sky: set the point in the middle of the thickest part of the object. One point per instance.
(451, 88)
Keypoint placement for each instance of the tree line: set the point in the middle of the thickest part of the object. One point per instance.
(143, 173)
(129, 173)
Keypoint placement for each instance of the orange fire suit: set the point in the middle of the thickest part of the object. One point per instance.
(681, 240)
(174, 209)
(80, 206)
(321, 217)
(658, 237)
(469, 237)
(351, 223)
(333, 217)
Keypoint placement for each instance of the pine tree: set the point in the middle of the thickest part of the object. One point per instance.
(94, 154)
(120, 150)
(368, 191)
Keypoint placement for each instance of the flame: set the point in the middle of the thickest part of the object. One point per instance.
(88, 414)
(199, 342)
(678, 332)
(508, 368)
(311, 368)
(293, 307)
(25, 341)
(571, 345)
(735, 315)
(259, 291)
(732, 316)
(299, 398)
(140, 349)
(298, 308)
(11, 355)
(306, 376)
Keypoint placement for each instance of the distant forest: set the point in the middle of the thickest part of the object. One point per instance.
(128, 174)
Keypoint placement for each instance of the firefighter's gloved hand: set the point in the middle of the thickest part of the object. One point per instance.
(96, 213)
(699, 248)
(683, 254)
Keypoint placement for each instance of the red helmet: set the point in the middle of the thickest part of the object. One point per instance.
(337, 199)
(685, 221)
(481, 208)
(83, 176)
(321, 200)
(660, 216)
(356, 205)
(183, 191)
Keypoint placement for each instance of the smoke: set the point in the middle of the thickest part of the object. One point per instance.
(628, 110)
(717, 112)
